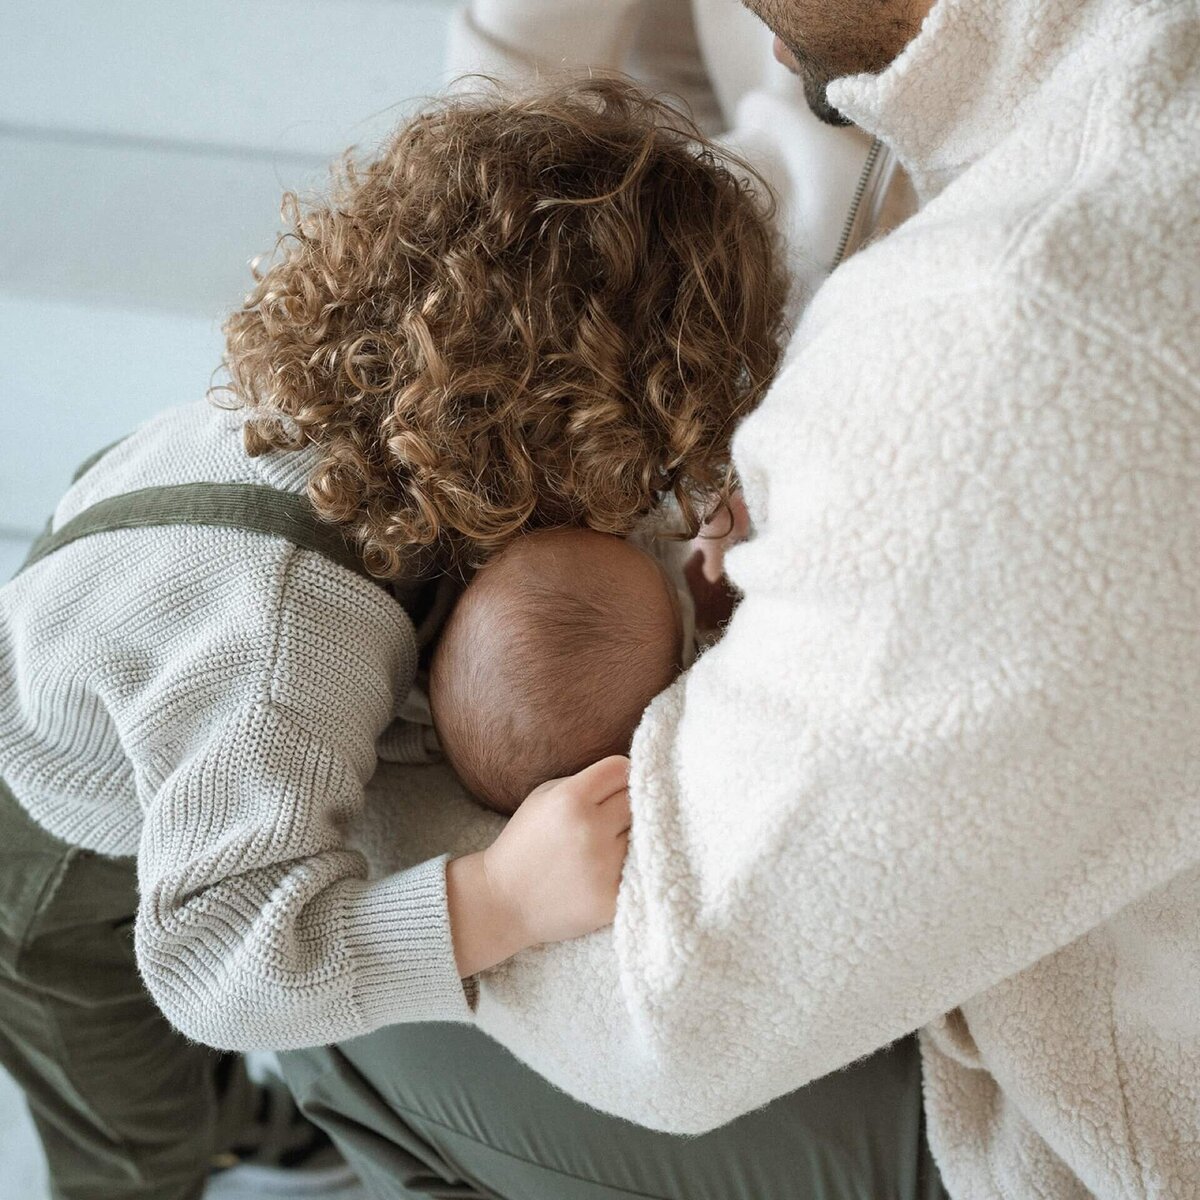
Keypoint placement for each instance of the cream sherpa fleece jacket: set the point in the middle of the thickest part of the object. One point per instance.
(944, 769)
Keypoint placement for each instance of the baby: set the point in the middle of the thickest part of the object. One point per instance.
(550, 657)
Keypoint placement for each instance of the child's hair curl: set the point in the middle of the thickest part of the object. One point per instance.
(526, 312)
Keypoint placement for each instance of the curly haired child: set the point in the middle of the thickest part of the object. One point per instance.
(524, 313)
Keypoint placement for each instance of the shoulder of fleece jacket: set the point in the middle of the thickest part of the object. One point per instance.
(969, 617)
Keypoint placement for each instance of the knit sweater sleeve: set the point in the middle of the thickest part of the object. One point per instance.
(951, 727)
(257, 926)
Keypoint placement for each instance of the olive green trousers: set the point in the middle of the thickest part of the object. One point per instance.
(126, 1108)
(444, 1111)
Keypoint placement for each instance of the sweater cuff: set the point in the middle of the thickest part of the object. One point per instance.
(397, 933)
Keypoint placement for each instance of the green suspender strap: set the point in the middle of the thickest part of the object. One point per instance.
(253, 507)
(249, 506)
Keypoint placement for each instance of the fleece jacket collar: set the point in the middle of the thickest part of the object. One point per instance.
(971, 74)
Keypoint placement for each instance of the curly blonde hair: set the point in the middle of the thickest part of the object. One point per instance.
(525, 313)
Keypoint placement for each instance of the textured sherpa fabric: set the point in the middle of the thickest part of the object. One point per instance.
(947, 757)
(944, 769)
(209, 700)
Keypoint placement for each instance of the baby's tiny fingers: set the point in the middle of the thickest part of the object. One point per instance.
(599, 781)
(616, 810)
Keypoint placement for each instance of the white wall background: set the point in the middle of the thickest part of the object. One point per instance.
(144, 146)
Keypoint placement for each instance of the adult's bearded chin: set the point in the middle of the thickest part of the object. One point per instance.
(814, 89)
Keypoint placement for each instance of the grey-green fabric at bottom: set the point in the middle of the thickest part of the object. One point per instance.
(126, 1107)
(444, 1111)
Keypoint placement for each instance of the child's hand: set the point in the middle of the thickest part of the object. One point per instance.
(552, 874)
(560, 856)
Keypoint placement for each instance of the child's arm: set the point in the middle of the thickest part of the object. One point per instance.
(552, 874)
(258, 926)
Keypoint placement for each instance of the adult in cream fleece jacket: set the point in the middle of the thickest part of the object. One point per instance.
(944, 769)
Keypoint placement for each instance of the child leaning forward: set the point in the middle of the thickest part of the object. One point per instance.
(523, 314)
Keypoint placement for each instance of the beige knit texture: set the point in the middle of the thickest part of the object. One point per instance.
(209, 700)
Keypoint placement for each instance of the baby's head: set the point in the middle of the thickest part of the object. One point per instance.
(526, 312)
(548, 660)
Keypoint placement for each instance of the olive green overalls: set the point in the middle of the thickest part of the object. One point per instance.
(128, 1109)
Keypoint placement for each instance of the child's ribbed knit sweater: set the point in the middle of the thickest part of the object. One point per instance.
(209, 700)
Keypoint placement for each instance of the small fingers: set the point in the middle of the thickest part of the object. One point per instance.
(602, 779)
(618, 815)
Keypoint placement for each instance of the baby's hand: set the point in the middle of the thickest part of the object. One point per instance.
(558, 861)
(552, 874)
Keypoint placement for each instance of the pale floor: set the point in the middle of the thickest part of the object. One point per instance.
(186, 123)
(12, 551)
(21, 1163)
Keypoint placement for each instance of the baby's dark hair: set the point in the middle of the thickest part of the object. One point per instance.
(525, 312)
(549, 659)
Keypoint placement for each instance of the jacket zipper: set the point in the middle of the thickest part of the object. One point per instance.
(860, 192)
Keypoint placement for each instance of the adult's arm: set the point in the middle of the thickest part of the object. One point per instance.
(952, 726)
(525, 39)
(947, 732)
